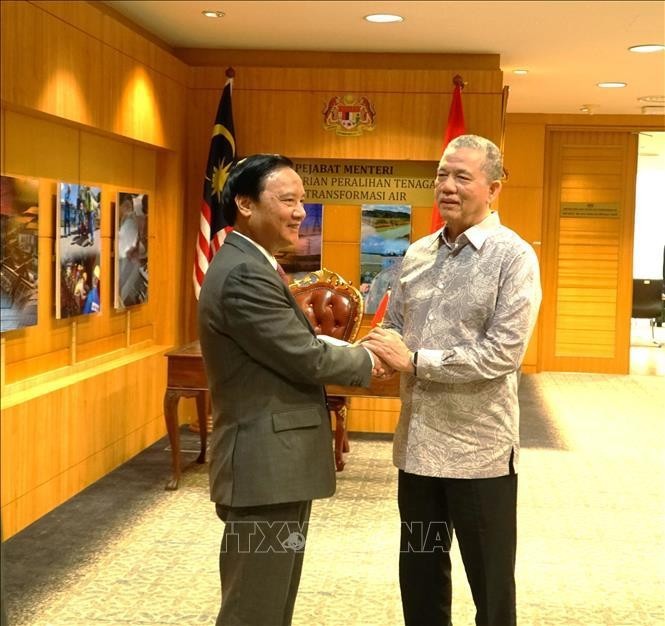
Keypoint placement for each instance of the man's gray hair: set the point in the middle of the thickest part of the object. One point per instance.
(493, 163)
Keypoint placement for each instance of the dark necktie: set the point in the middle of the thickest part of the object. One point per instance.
(283, 275)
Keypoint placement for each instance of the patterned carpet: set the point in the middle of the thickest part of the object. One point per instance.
(590, 549)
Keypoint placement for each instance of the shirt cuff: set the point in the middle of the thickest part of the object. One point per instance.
(371, 356)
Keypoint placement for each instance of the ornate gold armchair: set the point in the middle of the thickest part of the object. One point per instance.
(333, 307)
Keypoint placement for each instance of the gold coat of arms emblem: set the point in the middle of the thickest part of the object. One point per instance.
(349, 115)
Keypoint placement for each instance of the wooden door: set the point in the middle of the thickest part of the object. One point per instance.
(587, 246)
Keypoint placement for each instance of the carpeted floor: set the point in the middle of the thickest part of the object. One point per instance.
(591, 518)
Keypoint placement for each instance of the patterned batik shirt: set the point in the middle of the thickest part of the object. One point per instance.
(468, 308)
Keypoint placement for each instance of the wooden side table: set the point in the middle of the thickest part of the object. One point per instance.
(185, 379)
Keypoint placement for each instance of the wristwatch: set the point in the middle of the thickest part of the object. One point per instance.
(414, 362)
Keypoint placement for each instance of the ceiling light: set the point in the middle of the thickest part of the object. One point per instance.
(521, 72)
(656, 99)
(612, 85)
(648, 47)
(208, 13)
(383, 18)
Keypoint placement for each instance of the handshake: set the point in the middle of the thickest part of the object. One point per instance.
(390, 353)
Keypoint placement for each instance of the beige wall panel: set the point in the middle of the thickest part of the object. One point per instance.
(171, 260)
(143, 314)
(96, 347)
(45, 438)
(141, 334)
(372, 421)
(350, 80)
(38, 147)
(343, 258)
(76, 76)
(2, 140)
(523, 154)
(47, 203)
(80, 15)
(520, 209)
(367, 403)
(341, 223)
(144, 171)
(421, 220)
(153, 53)
(406, 127)
(369, 60)
(48, 65)
(105, 160)
(55, 61)
(132, 108)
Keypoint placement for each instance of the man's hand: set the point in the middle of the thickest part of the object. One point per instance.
(380, 369)
(389, 347)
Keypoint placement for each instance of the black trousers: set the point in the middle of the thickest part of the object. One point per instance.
(260, 562)
(482, 513)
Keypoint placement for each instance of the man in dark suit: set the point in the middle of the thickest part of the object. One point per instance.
(271, 448)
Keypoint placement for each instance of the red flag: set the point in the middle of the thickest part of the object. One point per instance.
(455, 128)
(212, 225)
(381, 310)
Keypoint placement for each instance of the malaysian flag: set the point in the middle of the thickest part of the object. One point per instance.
(212, 226)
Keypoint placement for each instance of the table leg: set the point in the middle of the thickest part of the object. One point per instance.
(202, 412)
(171, 399)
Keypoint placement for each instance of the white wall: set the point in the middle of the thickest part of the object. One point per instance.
(649, 239)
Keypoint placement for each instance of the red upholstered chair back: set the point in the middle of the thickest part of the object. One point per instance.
(333, 306)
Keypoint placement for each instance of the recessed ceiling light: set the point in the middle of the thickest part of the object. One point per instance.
(521, 72)
(208, 13)
(384, 18)
(648, 47)
(655, 99)
(612, 85)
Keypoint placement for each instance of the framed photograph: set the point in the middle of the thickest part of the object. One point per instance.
(131, 249)
(78, 250)
(19, 249)
(384, 238)
(306, 256)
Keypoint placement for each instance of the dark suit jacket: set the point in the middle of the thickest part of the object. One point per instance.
(271, 439)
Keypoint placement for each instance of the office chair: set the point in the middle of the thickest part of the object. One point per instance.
(333, 307)
(648, 302)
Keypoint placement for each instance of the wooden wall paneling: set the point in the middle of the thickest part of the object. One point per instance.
(105, 160)
(35, 349)
(212, 58)
(48, 65)
(75, 75)
(520, 203)
(56, 444)
(144, 171)
(343, 258)
(341, 223)
(377, 415)
(171, 258)
(589, 259)
(280, 109)
(421, 220)
(70, 79)
(40, 147)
